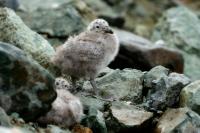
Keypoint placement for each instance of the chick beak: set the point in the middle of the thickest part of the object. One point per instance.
(109, 31)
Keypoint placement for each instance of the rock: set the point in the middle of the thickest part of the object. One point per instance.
(55, 129)
(89, 102)
(106, 12)
(4, 119)
(190, 96)
(67, 17)
(181, 31)
(11, 130)
(120, 85)
(137, 52)
(25, 87)
(127, 118)
(13, 4)
(94, 119)
(163, 88)
(181, 120)
(15, 32)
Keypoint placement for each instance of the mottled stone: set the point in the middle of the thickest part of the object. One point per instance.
(26, 87)
(66, 17)
(94, 119)
(15, 32)
(127, 118)
(180, 29)
(181, 120)
(4, 119)
(120, 85)
(190, 96)
(137, 52)
(163, 89)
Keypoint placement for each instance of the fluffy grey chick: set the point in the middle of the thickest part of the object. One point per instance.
(85, 55)
(67, 109)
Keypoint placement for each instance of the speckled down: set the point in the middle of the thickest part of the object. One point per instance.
(14, 31)
(25, 86)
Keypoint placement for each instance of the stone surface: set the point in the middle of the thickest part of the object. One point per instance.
(190, 96)
(25, 86)
(181, 31)
(127, 118)
(15, 32)
(105, 11)
(163, 89)
(181, 120)
(94, 119)
(137, 52)
(67, 17)
(4, 119)
(13, 4)
(120, 85)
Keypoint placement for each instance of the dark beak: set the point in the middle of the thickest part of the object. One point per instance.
(109, 31)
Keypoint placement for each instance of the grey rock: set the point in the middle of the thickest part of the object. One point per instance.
(56, 19)
(181, 31)
(4, 119)
(190, 96)
(25, 87)
(163, 89)
(140, 53)
(94, 119)
(13, 4)
(120, 85)
(155, 73)
(181, 120)
(15, 32)
(89, 102)
(127, 118)
(56, 129)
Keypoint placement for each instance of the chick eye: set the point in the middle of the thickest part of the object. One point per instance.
(97, 26)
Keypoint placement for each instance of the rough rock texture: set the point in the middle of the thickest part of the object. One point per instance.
(4, 119)
(181, 120)
(120, 85)
(67, 17)
(137, 52)
(180, 29)
(190, 96)
(94, 119)
(25, 86)
(163, 89)
(103, 10)
(13, 4)
(14, 31)
(127, 118)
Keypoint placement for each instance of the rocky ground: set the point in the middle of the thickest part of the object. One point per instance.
(153, 84)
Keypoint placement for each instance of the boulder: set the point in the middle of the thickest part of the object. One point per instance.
(94, 120)
(120, 85)
(180, 29)
(4, 119)
(181, 120)
(66, 17)
(15, 32)
(25, 86)
(137, 52)
(163, 89)
(190, 96)
(13, 4)
(124, 118)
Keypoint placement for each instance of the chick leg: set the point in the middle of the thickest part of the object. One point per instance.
(94, 86)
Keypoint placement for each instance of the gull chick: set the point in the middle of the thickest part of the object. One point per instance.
(85, 55)
(67, 109)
